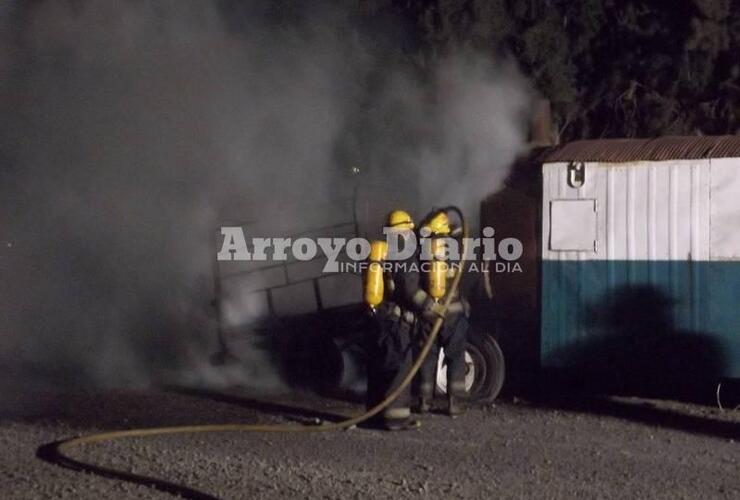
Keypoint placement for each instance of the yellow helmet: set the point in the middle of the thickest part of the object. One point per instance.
(439, 224)
(398, 219)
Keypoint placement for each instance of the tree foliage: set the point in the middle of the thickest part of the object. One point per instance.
(611, 68)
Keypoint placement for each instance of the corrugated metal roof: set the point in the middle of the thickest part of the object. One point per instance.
(661, 148)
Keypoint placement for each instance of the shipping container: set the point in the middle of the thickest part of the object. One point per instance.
(640, 257)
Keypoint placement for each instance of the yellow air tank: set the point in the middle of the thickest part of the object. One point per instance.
(374, 288)
(438, 269)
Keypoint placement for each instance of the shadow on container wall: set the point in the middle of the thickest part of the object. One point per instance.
(635, 348)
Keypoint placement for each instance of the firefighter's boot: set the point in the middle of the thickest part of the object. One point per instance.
(423, 404)
(399, 419)
(455, 406)
(425, 382)
(455, 403)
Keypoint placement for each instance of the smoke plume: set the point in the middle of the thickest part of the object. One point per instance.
(132, 128)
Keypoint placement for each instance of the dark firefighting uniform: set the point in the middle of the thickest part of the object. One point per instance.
(391, 342)
(452, 338)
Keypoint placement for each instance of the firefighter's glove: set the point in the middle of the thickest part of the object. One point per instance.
(432, 312)
(455, 308)
(459, 307)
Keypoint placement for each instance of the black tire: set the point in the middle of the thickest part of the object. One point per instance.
(490, 369)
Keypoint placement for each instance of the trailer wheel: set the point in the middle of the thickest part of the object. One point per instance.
(485, 372)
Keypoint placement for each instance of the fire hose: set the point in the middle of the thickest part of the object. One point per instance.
(60, 448)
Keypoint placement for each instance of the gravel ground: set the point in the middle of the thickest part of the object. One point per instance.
(576, 448)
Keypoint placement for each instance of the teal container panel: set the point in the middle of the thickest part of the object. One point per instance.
(683, 314)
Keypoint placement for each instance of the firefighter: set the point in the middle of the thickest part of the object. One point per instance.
(453, 335)
(396, 307)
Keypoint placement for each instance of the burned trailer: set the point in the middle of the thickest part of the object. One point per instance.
(640, 261)
(287, 310)
(311, 322)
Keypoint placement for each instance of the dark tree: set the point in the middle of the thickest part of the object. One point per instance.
(611, 68)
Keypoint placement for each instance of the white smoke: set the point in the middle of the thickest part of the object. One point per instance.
(131, 128)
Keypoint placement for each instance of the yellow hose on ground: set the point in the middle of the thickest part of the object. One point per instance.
(61, 447)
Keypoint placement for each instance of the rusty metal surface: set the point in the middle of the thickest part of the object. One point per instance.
(661, 148)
